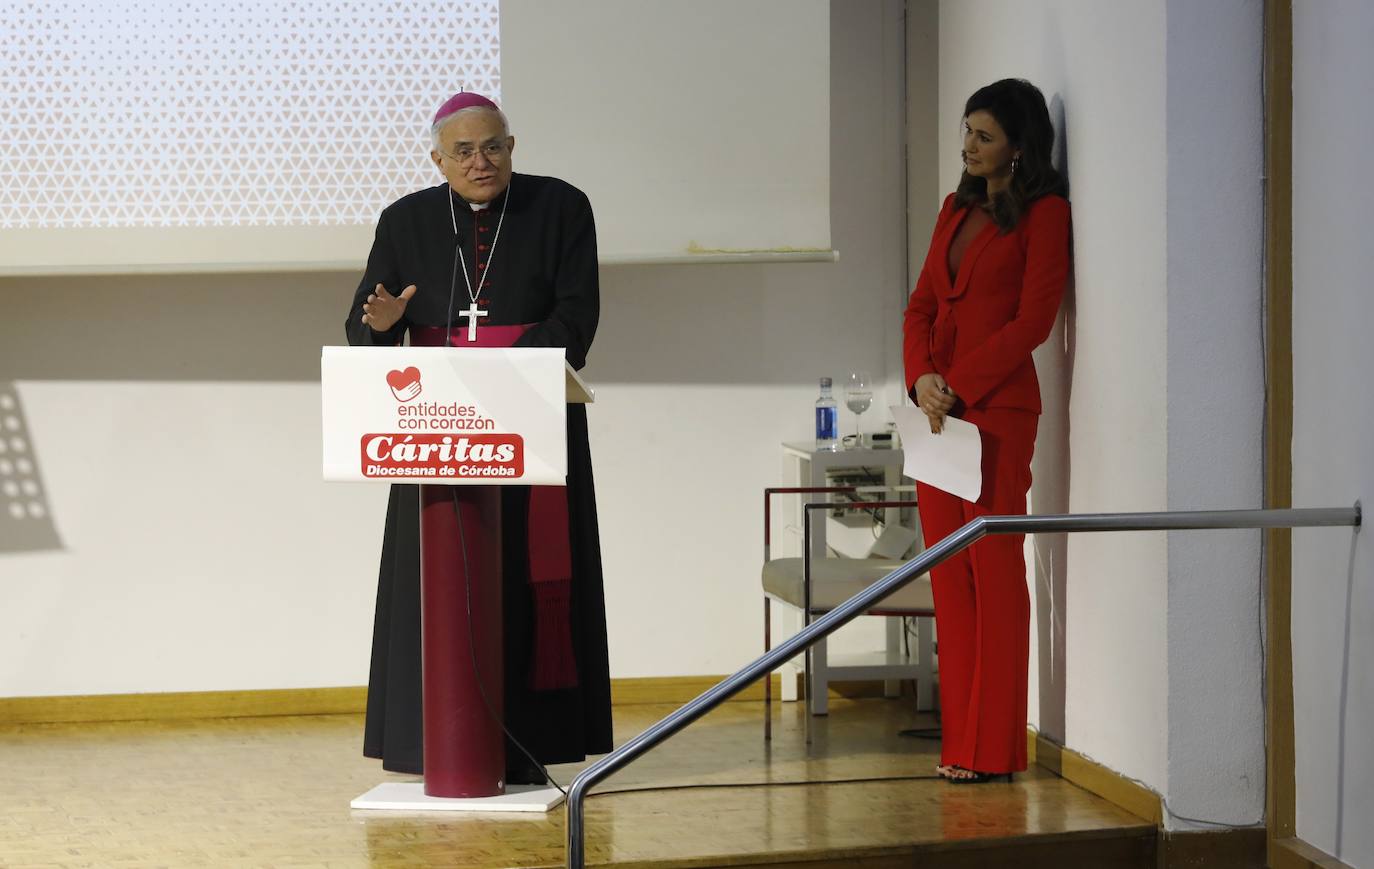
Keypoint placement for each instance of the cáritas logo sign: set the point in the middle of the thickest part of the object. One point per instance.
(439, 440)
(437, 456)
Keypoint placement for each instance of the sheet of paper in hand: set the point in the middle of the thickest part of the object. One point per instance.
(951, 460)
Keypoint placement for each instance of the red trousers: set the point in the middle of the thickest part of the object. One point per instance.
(982, 605)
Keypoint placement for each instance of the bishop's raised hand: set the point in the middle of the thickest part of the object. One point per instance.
(382, 310)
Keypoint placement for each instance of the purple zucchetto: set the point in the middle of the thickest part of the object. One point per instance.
(460, 101)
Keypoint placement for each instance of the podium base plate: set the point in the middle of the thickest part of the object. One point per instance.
(410, 796)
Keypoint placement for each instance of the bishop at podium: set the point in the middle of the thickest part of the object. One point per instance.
(494, 258)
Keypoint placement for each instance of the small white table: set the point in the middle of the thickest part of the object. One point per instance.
(804, 465)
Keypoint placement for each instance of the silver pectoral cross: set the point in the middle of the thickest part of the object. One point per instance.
(472, 313)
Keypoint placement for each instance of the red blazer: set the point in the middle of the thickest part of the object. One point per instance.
(979, 333)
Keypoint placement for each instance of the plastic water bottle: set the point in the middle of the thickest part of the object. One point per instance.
(827, 419)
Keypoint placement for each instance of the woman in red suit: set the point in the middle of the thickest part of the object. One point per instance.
(987, 296)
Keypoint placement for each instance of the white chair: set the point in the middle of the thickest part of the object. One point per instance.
(824, 583)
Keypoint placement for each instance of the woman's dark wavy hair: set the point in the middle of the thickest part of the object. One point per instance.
(1019, 109)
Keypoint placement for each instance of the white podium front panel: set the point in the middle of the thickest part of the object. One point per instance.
(447, 415)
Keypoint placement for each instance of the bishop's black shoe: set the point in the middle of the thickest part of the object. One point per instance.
(524, 773)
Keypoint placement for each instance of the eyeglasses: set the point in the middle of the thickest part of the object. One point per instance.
(495, 152)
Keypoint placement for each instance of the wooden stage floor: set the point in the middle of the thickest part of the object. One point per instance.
(275, 791)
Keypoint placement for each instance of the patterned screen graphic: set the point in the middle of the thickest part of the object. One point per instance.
(148, 113)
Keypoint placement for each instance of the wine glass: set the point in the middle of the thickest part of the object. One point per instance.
(858, 396)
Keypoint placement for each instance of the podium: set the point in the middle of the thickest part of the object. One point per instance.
(461, 422)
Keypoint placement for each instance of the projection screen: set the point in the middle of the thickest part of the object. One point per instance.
(258, 136)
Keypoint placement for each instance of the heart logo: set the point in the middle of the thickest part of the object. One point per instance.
(405, 385)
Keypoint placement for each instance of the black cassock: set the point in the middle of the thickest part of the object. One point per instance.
(542, 270)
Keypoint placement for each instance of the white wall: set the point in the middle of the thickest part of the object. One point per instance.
(1109, 94)
(703, 371)
(199, 576)
(1333, 570)
(1147, 654)
(1215, 380)
(176, 425)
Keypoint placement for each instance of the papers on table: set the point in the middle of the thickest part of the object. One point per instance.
(951, 460)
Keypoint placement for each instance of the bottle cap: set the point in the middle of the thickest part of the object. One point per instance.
(825, 381)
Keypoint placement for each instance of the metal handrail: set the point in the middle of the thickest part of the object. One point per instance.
(864, 600)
